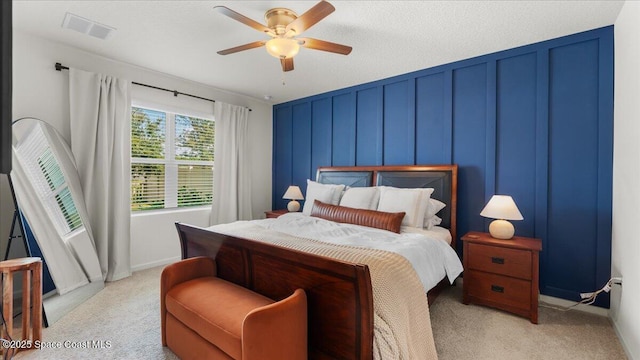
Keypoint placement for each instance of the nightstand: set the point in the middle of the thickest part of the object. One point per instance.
(272, 214)
(502, 273)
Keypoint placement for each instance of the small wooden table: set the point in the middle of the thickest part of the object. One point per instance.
(31, 268)
(271, 214)
(502, 273)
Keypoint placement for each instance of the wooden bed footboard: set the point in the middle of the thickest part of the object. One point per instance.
(339, 294)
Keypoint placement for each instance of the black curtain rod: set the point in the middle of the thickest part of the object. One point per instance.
(60, 67)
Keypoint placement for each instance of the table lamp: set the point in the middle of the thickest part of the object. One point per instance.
(293, 193)
(501, 208)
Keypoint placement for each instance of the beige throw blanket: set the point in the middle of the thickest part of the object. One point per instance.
(402, 327)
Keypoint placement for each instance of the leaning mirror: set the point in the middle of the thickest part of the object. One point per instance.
(54, 218)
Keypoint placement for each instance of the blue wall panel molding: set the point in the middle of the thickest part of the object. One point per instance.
(369, 127)
(431, 139)
(542, 160)
(301, 133)
(515, 137)
(534, 122)
(605, 162)
(469, 144)
(282, 151)
(344, 130)
(398, 126)
(321, 135)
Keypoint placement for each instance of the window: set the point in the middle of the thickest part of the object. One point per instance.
(49, 182)
(171, 160)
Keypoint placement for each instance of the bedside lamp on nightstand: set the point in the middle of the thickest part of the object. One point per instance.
(293, 193)
(501, 208)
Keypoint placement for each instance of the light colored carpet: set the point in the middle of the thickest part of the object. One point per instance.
(126, 314)
(478, 332)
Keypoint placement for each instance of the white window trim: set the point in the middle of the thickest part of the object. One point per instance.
(170, 163)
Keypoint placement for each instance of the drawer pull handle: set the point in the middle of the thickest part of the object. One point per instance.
(497, 288)
(497, 260)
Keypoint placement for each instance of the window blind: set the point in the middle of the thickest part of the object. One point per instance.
(195, 185)
(171, 160)
(49, 182)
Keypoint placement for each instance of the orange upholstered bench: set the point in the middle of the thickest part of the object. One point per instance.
(204, 317)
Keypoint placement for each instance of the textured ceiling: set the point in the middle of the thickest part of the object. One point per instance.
(388, 37)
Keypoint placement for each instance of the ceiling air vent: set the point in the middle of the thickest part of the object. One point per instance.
(86, 26)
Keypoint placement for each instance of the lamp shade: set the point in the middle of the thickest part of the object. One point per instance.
(282, 48)
(501, 207)
(293, 193)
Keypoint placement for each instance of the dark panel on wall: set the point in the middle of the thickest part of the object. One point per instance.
(469, 108)
(605, 164)
(573, 167)
(344, 130)
(369, 127)
(516, 135)
(282, 155)
(301, 142)
(5, 86)
(320, 134)
(534, 122)
(399, 140)
(431, 138)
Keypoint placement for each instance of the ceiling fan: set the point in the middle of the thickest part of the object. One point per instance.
(283, 25)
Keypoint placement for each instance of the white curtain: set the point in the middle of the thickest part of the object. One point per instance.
(232, 169)
(100, 115)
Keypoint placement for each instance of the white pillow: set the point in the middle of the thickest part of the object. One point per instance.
(413, 202)
(361, 198)
(432, 209)
(327, 193)
(433, 221)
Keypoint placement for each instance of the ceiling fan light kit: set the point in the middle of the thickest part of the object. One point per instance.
(282, 48)
(283, 25)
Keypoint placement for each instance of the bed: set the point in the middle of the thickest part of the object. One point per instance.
(338, 282)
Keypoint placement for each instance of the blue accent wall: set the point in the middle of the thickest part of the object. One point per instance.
(534, 122)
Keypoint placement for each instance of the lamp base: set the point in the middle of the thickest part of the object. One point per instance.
(293, 206)
(501, 229)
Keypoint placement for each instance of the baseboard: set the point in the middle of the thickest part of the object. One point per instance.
(566, 303)
(623, 342)
(153, 264)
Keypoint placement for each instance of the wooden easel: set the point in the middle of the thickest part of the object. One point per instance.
(18, 225)
(17, 221)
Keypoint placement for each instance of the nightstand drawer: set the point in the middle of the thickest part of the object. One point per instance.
(497, 260)
(497, 289)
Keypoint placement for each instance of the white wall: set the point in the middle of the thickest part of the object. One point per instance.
(625, 311)
(40, 91)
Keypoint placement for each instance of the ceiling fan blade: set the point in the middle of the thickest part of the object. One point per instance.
(287, 64)
(243, 19)
(236, 49)
(311, 17)
(316, 44)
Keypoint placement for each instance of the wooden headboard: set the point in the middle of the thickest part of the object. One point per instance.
(442, 178)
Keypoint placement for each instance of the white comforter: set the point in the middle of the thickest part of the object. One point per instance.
(428, 251)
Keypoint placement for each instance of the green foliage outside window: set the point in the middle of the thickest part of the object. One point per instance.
(155, 165)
